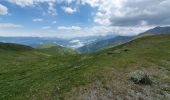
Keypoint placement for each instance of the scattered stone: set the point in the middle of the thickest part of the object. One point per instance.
(167, 96)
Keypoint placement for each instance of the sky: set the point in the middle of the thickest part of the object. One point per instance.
(77, 18)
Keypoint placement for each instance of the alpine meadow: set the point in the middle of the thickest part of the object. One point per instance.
(84, 50)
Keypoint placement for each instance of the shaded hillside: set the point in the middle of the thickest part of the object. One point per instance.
(97, 76)
(103, 44)
(14, 47)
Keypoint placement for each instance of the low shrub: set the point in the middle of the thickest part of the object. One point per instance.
(140, 77)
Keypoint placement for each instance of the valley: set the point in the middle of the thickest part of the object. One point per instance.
(28, 73)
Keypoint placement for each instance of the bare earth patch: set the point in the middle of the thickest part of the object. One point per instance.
(117, 86)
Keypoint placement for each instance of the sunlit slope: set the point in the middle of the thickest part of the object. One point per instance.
(53, 49)
(35, 75)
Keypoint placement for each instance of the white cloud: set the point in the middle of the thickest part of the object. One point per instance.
(74, 41)
(37, 20)
(130, 12)
(51, 9)
(114, 12)
(117, 30)
(9, 25)
(100, 31)
(69, 28)
(66, 32)
(24, 3)
(69, 10)
(106, 9)
(31, 3)
(51, 4)
(119, 17)
(3, 10)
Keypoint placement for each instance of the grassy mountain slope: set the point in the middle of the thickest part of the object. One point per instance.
(14, 47)
(100, 75)
(46, 45)
(53, 49)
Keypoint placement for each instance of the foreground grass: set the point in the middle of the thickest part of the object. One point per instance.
(37, 75)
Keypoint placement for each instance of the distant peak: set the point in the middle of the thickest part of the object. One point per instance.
(158, 30)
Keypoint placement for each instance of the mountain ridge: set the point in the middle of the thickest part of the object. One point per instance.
(157, 30)
(102, 44)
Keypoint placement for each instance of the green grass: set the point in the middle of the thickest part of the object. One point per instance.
(55, 50)
(34, 74)
(47, 45)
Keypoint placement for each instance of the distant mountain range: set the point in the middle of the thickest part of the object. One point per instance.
(158, 30)
(38, 41)
(101, 44)
(82, 44)
(106, 43)
(33, 41)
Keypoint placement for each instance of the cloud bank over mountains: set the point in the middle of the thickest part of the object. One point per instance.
(123, 17)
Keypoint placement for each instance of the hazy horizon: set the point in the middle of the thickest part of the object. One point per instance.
(79, 18)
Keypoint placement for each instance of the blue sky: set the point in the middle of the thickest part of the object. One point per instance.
(75, 18)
